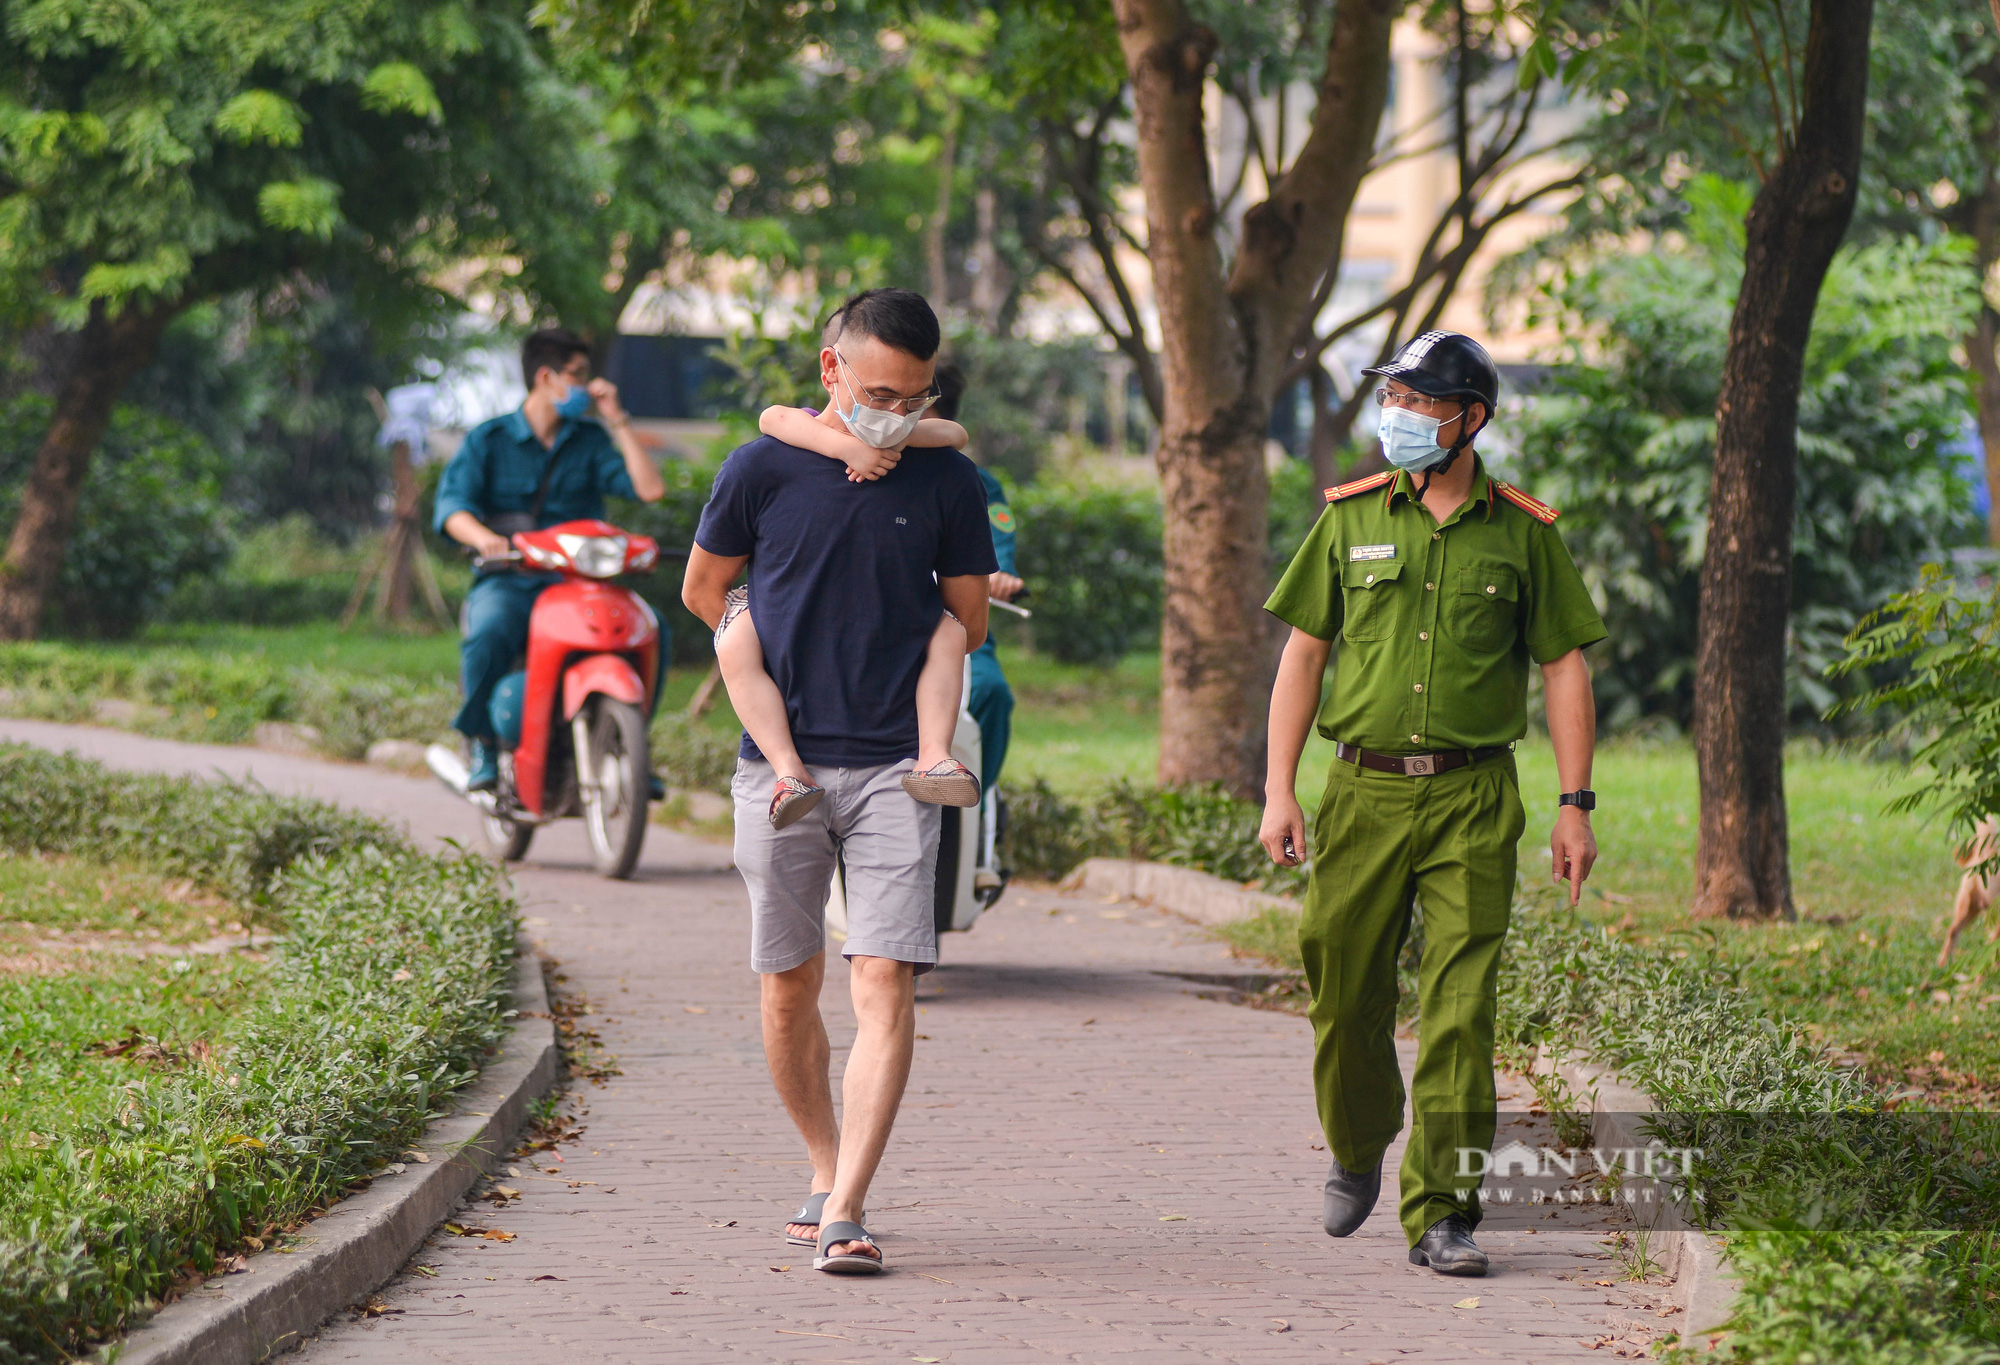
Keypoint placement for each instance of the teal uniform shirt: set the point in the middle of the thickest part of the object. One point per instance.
(992, 701)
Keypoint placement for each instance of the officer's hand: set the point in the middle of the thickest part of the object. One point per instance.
(1003, 586)
(1284, 823)
(1572, 850)
(605, 393)
(492, 546)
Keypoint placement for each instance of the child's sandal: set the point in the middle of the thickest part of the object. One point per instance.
(950, 783)
(793, 801)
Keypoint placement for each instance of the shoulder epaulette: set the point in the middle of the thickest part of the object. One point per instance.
(1348, 490)
(1534, 507)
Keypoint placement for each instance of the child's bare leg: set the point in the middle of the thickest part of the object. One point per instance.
(759, 704)
(939, 688)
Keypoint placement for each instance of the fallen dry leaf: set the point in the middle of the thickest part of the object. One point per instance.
(401, 974)
(777, 1267)
(1466, 1303)
(1281, 1328)
(1173, 1218)
(694, 1009)
(427, 1271)
(421, 1158)
(495, 1235)
(1606, 1284)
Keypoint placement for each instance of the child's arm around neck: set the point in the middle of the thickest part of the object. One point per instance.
(798, 427)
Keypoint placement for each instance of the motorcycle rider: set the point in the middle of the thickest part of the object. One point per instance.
(556, 458)
(992, 700)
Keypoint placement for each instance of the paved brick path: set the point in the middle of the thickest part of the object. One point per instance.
(1093, 1164)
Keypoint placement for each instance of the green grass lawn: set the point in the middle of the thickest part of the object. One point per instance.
(320, 644)
(94, 996)
(1872, 889)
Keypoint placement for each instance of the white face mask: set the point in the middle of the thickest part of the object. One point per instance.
(872, 426)
(1409, 441)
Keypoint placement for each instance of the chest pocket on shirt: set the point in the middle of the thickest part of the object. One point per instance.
(1367, 601)
(1486, 609)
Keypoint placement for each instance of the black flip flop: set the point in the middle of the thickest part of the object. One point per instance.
(847, 1262)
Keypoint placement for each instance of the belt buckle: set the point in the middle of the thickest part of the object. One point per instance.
(1420, 765)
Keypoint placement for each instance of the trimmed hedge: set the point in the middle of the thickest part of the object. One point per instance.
(1797, 1147)
(389, 990)
(220, 699)
(1195, 826)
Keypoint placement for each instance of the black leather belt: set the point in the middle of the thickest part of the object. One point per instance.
(1417, 765)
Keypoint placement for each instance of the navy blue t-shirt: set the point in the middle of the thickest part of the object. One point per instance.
(843, 584)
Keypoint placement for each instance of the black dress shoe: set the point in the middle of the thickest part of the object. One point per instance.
(1350, 1198)
(1447, 1248)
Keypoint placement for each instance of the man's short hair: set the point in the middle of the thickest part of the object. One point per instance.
(553, 347)
(951, 388)
(899, 318)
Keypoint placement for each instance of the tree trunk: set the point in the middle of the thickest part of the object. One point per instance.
(1225, 343)
(989, 291)
(1794, 227)
(1322, 450)
(405, 540)
(108, 352)
(940, 218)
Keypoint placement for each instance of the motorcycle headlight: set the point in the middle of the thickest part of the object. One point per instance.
(595, 556)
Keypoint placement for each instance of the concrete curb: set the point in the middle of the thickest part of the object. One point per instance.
(1199, 896)
(359, 1243)
(1703, 1286)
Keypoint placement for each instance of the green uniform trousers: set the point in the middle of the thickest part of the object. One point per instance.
(1381, 840)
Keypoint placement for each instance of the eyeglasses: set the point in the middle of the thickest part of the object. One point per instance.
(908, 407)
(1414, 401)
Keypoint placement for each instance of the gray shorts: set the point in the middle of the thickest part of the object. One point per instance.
(887, 844)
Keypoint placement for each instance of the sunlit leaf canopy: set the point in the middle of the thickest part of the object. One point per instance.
(178, 148)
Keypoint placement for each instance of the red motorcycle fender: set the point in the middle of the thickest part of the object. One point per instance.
(610, 674)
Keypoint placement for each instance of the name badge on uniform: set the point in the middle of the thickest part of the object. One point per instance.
(1372, 552)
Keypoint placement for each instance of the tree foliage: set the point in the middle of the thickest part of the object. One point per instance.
(1622, 439)
(1940, 641)
(151, 515)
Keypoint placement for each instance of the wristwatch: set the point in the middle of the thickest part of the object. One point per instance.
(1583, 798)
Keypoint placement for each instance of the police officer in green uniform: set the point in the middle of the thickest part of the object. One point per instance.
(1441, 584)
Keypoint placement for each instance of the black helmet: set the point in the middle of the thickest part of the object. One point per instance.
(1445, 365)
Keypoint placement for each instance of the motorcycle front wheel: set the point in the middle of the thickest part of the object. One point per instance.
(509, 839)
(613, 772)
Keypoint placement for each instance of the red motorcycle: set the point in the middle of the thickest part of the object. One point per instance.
(572, 721)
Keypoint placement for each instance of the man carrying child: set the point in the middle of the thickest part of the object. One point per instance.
(850, 581)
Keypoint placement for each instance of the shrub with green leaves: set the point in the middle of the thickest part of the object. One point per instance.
(1941, 647)
(1091, 560)
(1794, 1144)
(222, 699)
(687, 753)
(353, 710)
(389, 990)
(1201, 827)
(1622, 441)
(149, 516)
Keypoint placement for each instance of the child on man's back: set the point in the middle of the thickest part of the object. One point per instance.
(938, 777)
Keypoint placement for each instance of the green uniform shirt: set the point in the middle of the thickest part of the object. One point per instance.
(1436, 623)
